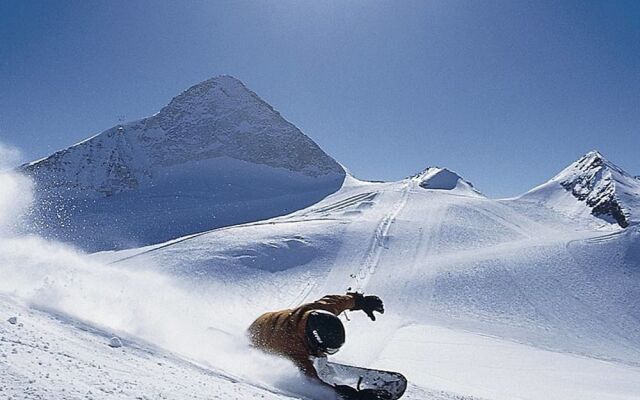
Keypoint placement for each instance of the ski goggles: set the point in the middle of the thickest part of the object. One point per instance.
(331, 350)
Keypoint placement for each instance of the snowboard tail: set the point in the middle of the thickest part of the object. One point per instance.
(393, 383)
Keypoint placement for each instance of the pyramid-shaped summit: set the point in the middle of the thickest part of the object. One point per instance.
(597, 185)
(216, 155)
(217, 118)
(224, 118)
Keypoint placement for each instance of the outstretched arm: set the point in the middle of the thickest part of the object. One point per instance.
(336, 304)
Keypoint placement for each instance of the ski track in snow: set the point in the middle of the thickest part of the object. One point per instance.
(425, 250)
(379, 242)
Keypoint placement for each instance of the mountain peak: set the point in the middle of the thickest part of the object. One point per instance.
(595, 160)
(224, 78)
(607, 191)
(589, 170)
(437, 178)
(216, 148)
(219, 117)
(222, 94)
(593, 154)
(218, 85)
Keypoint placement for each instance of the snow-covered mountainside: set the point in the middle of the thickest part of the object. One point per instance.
(216, 155)
(492, 299)
(485, 299)
(592, 185)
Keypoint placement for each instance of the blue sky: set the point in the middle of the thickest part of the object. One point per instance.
(506, 93)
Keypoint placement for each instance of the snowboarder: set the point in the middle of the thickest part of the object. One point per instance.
(313, 331)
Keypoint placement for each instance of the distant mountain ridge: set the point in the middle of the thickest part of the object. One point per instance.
(216, 155)
(219, 155)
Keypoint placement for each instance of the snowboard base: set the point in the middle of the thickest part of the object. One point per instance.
(393, 383)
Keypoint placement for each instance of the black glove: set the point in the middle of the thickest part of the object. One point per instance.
(368, 304)
(347, 392)
(374, 394)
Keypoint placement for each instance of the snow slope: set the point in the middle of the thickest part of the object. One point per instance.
(46, 356)
(490, 299)
(216, 155)
(494, 299)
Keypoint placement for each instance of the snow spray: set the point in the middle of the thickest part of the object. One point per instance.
(130, 300)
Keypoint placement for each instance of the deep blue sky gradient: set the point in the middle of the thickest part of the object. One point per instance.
(506, 93)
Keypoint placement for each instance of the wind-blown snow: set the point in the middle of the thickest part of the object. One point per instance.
(181, 338)
(70, 306)
(9, 156)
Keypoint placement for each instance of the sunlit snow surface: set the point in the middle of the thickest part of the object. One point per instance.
(543, 293)
(485, 299)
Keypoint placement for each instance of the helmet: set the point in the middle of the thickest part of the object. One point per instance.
(324, 331)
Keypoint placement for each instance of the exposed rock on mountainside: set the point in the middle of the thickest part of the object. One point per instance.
(591, 180)
(607, 191)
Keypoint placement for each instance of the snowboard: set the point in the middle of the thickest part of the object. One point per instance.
(394, 383)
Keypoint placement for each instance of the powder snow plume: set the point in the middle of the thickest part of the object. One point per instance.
(9, 156)
(131, 301)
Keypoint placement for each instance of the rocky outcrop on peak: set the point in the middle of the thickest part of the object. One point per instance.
(592, 180)
(603, 188)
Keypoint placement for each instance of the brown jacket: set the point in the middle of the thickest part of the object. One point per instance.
(283, 332)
